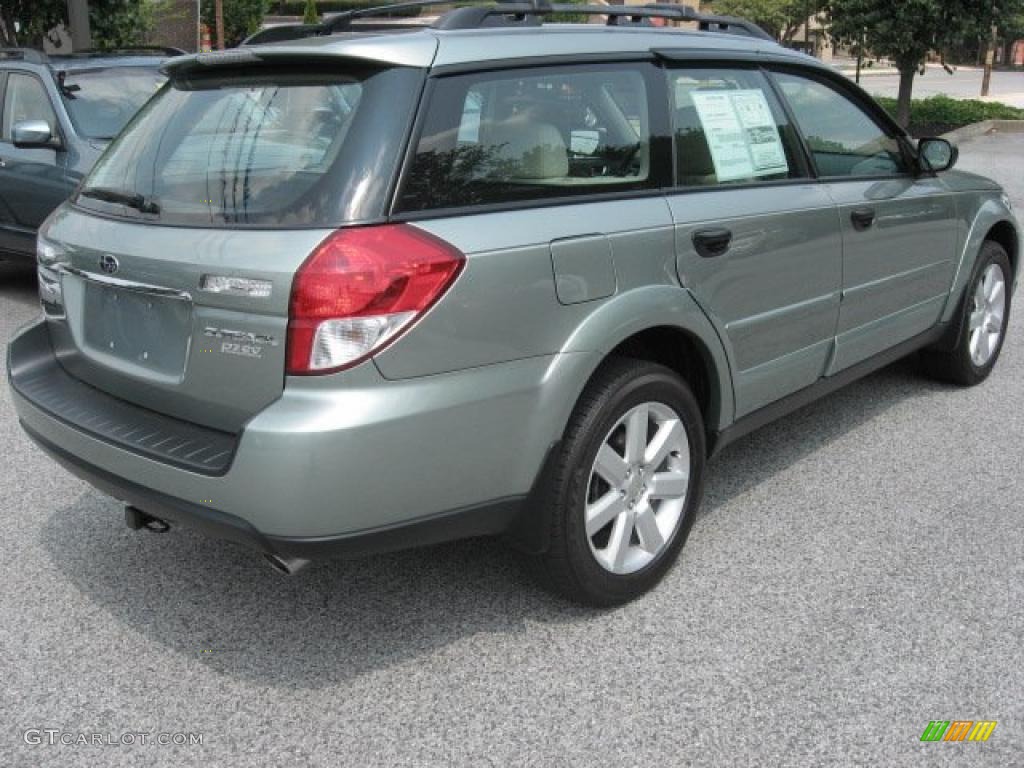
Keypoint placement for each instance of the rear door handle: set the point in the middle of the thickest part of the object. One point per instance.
(862, 218)
(712, 242)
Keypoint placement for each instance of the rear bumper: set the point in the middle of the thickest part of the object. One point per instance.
(341, 466)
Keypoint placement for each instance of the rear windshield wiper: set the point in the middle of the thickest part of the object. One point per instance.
(130, 199)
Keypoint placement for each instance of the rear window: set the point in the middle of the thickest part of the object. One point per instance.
(102, 101)
(270, 148)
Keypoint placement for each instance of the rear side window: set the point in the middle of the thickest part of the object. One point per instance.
(264, 148)
(843, 138)
(531, 134)
(729, 128)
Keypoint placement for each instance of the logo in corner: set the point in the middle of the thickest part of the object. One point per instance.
(958, 730)
(109, 264)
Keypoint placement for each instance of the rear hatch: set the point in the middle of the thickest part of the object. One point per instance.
(169, 276)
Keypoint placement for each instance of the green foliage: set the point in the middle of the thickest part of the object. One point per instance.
(942, 110)
(310, 15)
(241, 19)
(908, 30)
(35, 18)
(121, 23)
(779, 18)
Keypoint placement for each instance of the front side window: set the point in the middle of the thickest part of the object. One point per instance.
(25, 99)
(530, 134)
(272, 147)
(729, 128)
(842, 137)
(102, 101)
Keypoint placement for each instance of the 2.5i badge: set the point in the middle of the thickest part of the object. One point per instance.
(241, 343)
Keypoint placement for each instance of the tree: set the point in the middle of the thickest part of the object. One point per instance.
(310, 16)
(121, 23)
(779, 18)
(906, 32)
(241, 18)
(27, 22)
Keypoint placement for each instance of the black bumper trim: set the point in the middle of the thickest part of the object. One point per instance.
(486, 519)
(37, 376)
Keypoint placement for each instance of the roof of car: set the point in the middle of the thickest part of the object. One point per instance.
(439, 48)
(71, 63)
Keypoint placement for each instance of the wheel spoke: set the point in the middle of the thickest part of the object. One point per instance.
(610, 466)
(975, 343)
(636, 434)
(618, 542)
(665, 441)
(984, 346)
(647, 530)
(669, 485)
(979, 295)
(604, 510)
(977, 320)
(994, 294)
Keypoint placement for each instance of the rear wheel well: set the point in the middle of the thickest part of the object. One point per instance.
(683, 353)
(1004, 234)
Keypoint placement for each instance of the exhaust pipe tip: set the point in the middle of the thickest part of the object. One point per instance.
(288, 566)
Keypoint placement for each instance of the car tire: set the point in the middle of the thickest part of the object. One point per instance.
(983, 317)
(617, 525)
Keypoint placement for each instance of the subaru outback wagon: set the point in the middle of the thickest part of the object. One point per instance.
(384, 287)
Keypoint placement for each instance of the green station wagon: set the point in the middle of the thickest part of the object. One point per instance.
(396, 283)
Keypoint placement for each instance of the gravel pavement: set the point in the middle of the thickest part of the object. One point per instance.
(856, 571)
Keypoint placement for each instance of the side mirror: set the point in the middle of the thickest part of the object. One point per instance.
(937, 155)
(29, 134)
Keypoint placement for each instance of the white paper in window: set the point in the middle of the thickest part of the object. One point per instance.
(741, 134)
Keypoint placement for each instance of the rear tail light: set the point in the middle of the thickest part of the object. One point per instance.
(360, 290)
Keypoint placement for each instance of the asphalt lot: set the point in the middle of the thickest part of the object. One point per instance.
(964, 83)
(857, 570)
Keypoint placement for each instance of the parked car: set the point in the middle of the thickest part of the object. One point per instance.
(367, 291)
(58, 114)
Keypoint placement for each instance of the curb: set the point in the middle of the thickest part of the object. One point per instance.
(985, 126)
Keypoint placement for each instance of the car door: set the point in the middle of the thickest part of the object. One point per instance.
(899, 231)
(757, 239)
(33, 181)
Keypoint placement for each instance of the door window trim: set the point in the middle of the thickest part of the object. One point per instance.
(58, 128)
(646, 64)
(862, 101)
(809, 169)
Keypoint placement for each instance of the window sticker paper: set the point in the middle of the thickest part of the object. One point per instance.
(741, 134)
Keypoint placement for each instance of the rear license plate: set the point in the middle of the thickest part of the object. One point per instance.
(148, 331)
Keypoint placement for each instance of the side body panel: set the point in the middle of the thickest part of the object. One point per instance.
(774, 296)
(897, 272)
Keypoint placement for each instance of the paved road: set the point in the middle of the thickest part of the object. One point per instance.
(857, 570)
(1007, 87)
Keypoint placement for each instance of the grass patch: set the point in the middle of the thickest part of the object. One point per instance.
(939, 114)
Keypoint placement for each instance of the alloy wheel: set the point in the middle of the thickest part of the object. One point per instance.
(637, 488)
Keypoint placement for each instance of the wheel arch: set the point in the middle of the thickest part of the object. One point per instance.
(1004, 233)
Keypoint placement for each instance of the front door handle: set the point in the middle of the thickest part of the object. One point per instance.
(862, 218)
(712, 242)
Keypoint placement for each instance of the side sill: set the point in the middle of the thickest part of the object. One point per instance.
(825, 386)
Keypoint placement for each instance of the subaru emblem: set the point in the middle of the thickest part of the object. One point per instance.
(109, 264)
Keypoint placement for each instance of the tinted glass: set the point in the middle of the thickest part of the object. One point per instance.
(257, 149)
(101, 102)
(508, 136)
(25, 99)
(729, 128)
(843, 138)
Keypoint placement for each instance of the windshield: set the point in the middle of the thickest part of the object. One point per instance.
(102, 101)
(260, 148)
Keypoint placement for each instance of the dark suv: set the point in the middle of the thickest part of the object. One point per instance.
(57, 114)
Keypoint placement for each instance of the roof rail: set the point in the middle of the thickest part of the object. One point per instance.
(136, 50)
(31, 55)
(532, 12)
